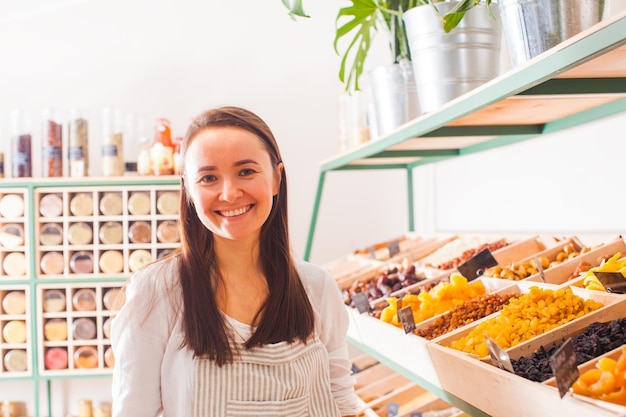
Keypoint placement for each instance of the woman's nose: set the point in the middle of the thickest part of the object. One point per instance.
(230, 191)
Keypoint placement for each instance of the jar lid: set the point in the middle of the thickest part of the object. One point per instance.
(84, 329)
(86, 357)
(51, 205)
(14, 302)
(79, 234)
(111, 233)
(111, 204)
(168, 232)
(106, 328)
(84, 299)
(111, 262)
(54, 301)
(109, 359)
(16, 360)
(55, 330)
(140, 232)
(12, 206)
(14, 264)
(167, 203)
(81, 262)
(12, 235)
(82, 204)
(51, 234)
(114, 298)
(55, 358)
(139, 203)
(14, 331)
(52, 263)
(139, 258)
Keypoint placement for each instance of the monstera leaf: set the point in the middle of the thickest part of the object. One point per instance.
(295, 8)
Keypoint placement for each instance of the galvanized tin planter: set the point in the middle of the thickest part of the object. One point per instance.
(531, 27)
(447, 65)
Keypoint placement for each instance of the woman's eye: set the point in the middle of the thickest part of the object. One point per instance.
(246, 171)
(208, 178)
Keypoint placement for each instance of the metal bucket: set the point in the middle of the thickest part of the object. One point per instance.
(395, 95)
(447, 65)
(531, 27)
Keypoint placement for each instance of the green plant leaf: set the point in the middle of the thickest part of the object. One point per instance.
(295, 8)
(454, 16)
(362, 24)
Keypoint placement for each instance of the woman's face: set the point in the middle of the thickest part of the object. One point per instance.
(231, 181)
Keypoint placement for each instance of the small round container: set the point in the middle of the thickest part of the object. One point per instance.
(111, 233)
(52, 263)
(81, 204)
(51, 205)
(55, 358)
(140, 232)
(139, 204)
(109, 359)
(111, 204)
(79, 234)
(51, 234)
(12, 235)
(14, 302)
(168, 232)
(106, 328)
(86, 357)
(167, 203)
(85, 408)
(139, 258)
(111, 262)
(84, 329)
(164, 252)
(16, 360)
(84, 300)
(54, 301)
(114, 299)
(55, 330)
(81, 262)
(12, 206)
(14, 264)
(14, 331)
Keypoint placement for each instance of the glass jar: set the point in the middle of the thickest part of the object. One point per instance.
(52, 144)
(112, 143)
(21, 138)
(78, 144)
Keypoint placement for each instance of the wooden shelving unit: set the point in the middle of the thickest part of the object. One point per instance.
(581, 80)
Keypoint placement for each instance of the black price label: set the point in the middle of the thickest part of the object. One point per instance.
(405, 315)
(499, 356)
(394, 248)
(361, 302)
(612, 281)
(476, 265)
(564, 367)
(393, 409)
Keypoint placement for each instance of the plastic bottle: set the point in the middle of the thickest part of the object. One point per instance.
(162, 151)
(112, 143)
(21, 138)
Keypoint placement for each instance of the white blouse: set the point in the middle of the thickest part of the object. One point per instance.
(153, 376)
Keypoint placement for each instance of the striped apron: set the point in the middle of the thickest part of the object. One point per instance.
(274, 380)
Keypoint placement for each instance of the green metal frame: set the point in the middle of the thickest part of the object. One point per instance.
(30, 184)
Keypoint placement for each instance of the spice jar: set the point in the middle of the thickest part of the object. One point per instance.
(78, 143)
(1, 164)
(52, 138)
(112, 143)
(21, 153)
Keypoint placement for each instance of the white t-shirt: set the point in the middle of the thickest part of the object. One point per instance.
(153, 376)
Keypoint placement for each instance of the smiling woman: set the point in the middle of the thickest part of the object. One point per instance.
(232, 307)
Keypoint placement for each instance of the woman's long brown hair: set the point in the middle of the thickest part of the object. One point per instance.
(287, 314)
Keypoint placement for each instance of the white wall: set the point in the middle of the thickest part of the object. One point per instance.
(174, 59)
